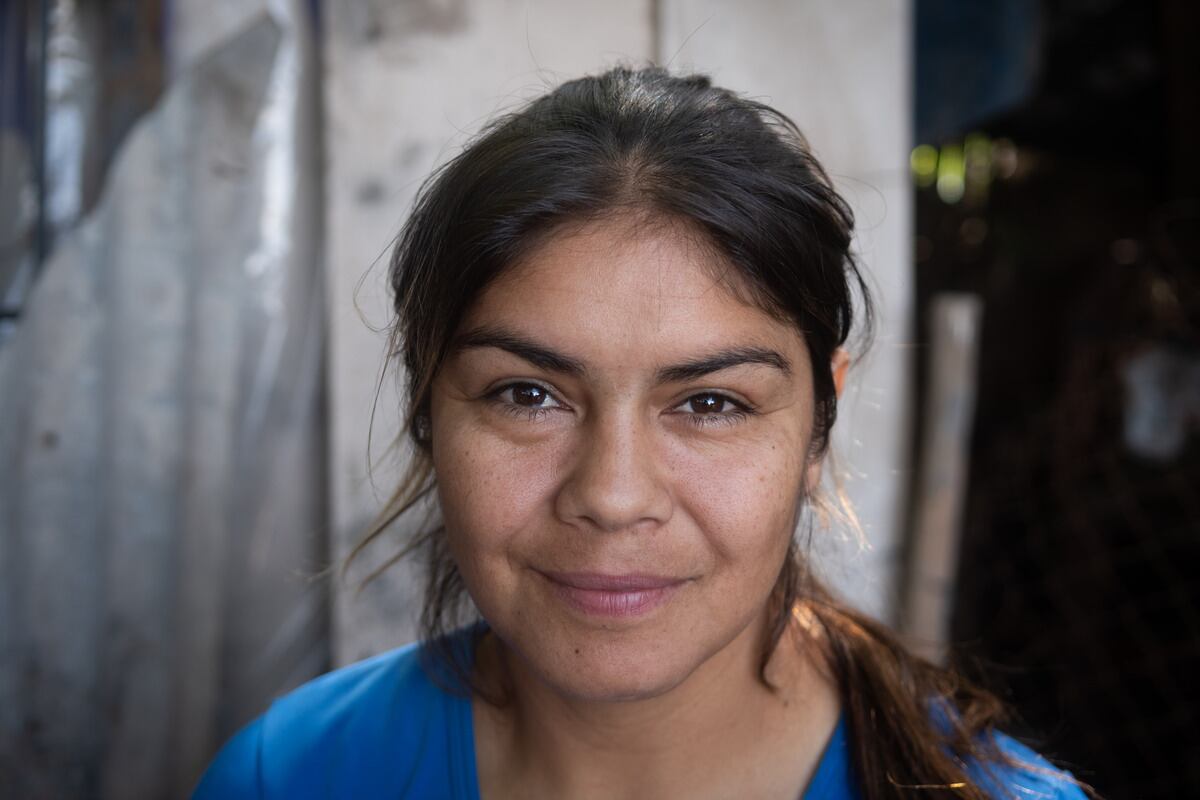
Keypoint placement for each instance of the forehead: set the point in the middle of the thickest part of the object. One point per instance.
(629, 280)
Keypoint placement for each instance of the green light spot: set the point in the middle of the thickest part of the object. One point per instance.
(923, 162)
(951, 174)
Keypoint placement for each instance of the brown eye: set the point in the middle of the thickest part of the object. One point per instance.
(527, 394)
(707, 403)
(709, 409)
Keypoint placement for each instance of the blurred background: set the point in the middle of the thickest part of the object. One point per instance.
(196, 202)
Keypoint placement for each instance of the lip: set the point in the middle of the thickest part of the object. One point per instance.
(607, 595)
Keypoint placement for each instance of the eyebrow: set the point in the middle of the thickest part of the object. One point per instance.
(519, 346)
(723, 359)
(545, 358)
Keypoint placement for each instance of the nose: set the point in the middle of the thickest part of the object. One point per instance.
(615, 481)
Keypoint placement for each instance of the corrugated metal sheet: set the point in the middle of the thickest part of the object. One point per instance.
(162, 441)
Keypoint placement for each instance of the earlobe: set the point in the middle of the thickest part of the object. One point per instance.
(841, 365)
(812, 477)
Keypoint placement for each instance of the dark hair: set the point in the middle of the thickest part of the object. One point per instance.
(741, 175)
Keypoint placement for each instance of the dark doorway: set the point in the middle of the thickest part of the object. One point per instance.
(1059, 184)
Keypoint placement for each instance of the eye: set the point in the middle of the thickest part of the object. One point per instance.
(713, 408)
(525, 400)
(527, 395)
(708, 403)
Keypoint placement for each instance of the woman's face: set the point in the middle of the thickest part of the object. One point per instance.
(620, 447)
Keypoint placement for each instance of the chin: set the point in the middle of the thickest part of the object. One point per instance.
(604, 680)
(607, 665)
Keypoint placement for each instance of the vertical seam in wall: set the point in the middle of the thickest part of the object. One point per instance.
(656, 11)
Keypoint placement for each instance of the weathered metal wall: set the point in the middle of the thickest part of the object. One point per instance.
(162, 464)
(409, 82)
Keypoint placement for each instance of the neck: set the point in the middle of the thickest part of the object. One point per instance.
(720, 732)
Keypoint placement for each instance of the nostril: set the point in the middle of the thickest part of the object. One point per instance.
(615, 484)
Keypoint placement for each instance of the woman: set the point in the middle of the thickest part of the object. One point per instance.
(621, 311)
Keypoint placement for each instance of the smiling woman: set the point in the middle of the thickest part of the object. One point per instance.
(620, 471)
(622, 311)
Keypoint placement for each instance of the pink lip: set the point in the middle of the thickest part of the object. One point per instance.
(603, 595)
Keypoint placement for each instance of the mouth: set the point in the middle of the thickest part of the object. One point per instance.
(614, 596)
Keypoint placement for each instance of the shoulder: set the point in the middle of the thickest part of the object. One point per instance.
(369, 729)
(343, 725)
(1021, 773)
(1029, 777)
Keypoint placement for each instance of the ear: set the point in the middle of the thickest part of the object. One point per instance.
(812, 476)
(841, 365)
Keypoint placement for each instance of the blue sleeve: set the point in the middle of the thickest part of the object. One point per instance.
(378, 728)
(236, 773)
(1033, 778)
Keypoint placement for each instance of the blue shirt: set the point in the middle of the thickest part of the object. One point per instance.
(382, 728)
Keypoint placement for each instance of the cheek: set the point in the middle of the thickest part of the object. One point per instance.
(489, 491)
(743, 498)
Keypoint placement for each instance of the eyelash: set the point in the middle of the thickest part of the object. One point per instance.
(717, 419)
(740, 412)
(528, 413)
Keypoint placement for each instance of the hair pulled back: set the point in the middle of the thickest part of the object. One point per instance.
(737, 171)
(741, 175)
